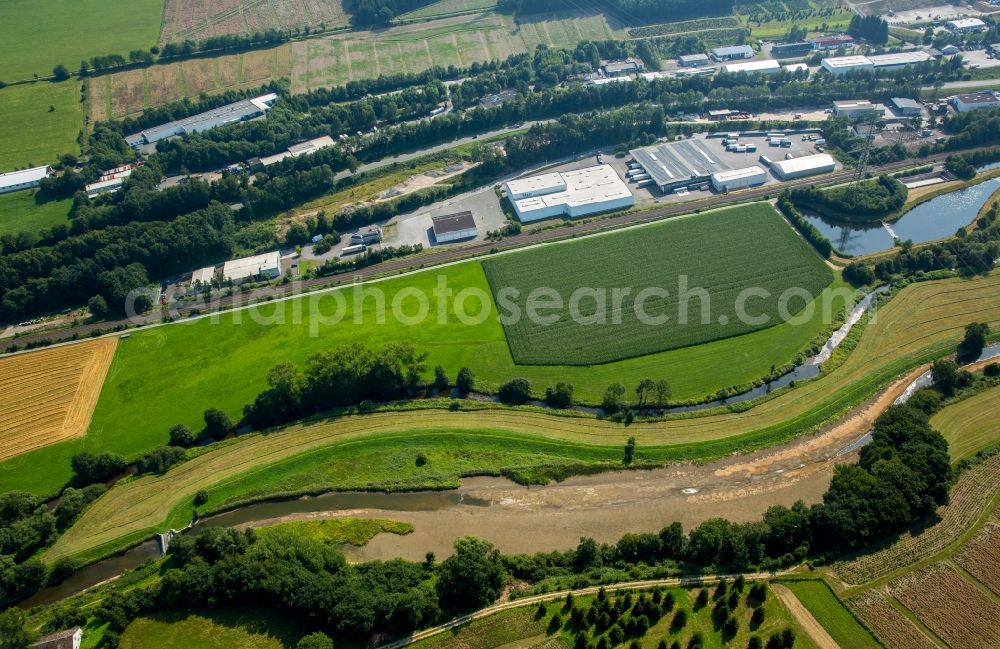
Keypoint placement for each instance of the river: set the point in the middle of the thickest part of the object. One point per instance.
(937, 218)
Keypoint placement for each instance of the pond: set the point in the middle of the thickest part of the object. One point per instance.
(935, 219)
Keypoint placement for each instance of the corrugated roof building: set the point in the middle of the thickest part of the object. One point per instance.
(25, 179)
(229, 114)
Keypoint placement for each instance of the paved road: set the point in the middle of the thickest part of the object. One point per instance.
(442, 256)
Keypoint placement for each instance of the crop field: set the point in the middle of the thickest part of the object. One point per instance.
(41, 122)
(339, 58)
(888, 622)
(22, 212)
(720, 255)
(842, 626)
(971, 424)
(121, 94)
(199, 19)
(952, 607)
(36, 36)
(224, 628)
(981, 557)
(49, 396)
(340, 531)
(970, 496)
(446, 7)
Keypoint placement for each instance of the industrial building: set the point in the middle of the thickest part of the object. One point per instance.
(856, 108)
(974, 101)
(809, 165)
(672, 165)
(906, 107)
(203, 276)
(844, 64)
(769, 66)
(881, 62)
(724, 181)
(796, 67)
(791, 50)
(693, 60)
(965, 26)
(733, 53)
(239, 111)
(265, 266)
(568, 193)
(25, 179)
(296, 150)
(832, 42)
(619, 68)
(454, 227)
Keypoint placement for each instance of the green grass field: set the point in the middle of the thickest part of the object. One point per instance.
(41, 122)
(341, 531)
(719, 255)
(36, 36)
(842, 626)
(970, 425)
(445, 7)
(225, 628)
(923, 323)
(21, 212)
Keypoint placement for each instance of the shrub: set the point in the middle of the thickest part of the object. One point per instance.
(560, 395)
(315, 641)
(465, 381)
(217, 423)
(200, 498)
(515, 392)
(992, 370)
(90, 468)
(181, 435)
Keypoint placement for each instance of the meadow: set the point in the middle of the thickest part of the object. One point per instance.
(719, 255)
(224, 628)
(40, 35)
(41, 122)
(341, 531)
(922, 323)
(199, 19)
(446, 7)
(842, 626)
(23, 212)
(971, 424)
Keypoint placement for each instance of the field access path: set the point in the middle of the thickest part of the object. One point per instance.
(440, 257)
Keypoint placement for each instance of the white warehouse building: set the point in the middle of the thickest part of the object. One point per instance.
(966, 26)
(568, 193)
(769, 66)
(265, 266)
(809, 165)
(843, 64)
(724, 181)
(24, 179)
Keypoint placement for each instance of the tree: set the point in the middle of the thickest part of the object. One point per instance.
(61, 72)
(13, 634)
(559, 396)
(974, 341)
(662, 391)
(946, 376)
(97, 306)
(181, 435)
(629, 455)
(90, 468)
(515, 392)
(465, 381)
(859, 274)
(758, 617)
(614, 398)
(587, 554)
(440, 378)
(217, 423)
(471, 578)
(643, 390)
(200, 498)
(316, 640)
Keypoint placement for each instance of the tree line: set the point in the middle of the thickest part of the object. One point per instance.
(864, 201)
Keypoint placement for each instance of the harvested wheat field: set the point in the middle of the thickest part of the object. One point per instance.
(50, 394)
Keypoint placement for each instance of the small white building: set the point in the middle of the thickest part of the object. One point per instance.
(965, 26)
(839, 65)
(724, 181)
(25, 179)
(265, 266)
(454, 227)
(809, 165)
(974, 101)
(68, 639)
(569, 193)
(770, 66)
(733, 53)
(203, 276)
(858, 108)
(108, 183)
(899, 60)
(693, 60)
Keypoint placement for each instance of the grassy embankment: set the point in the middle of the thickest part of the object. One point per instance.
(342, 531)
(172, 374)
(922, 323)
(970, 425)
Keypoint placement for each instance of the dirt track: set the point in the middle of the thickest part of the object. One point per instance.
(604, 506)
(805, 619)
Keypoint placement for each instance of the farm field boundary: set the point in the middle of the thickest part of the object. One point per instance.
(49, 396)
(902, 338)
